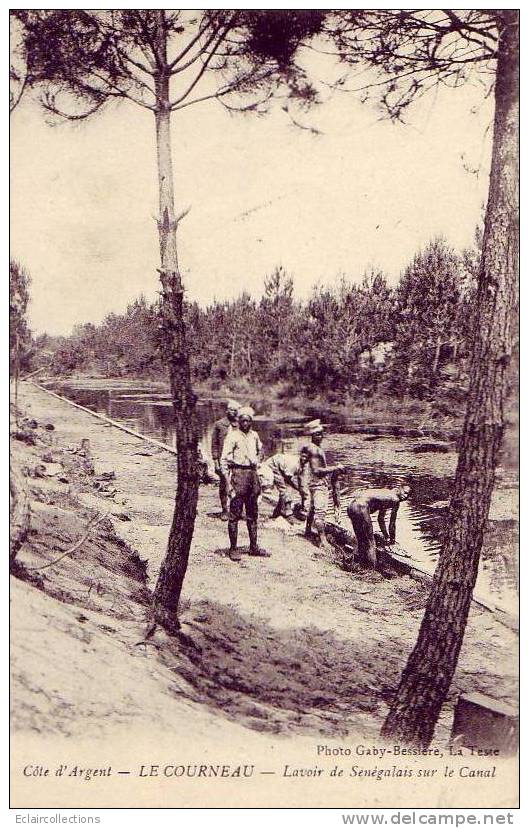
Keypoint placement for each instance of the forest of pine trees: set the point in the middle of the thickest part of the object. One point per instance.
(350, 336)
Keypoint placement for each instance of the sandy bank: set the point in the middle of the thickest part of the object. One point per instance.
(289, 645)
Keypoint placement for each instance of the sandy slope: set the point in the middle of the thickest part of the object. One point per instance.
(290, 645)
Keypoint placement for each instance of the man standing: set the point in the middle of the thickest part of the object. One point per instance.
(220, 430)
(288, 471)
(364, 503)
(319, 478)
(241, 455)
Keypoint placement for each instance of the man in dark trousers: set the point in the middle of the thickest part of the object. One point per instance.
(366, 502)
(241, 455)
(220, 430)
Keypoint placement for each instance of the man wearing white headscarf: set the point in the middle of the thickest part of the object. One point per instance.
(221, 428)
(241, 455)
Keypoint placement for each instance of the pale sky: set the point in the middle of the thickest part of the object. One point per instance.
(365, 192)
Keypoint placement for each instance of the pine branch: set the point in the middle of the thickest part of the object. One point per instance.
(49, 106)
(201, 72)
(173, 63)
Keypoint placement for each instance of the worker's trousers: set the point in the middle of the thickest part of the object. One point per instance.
(363, 529)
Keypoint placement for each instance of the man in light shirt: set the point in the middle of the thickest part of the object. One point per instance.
(288, 471)
(241, 455)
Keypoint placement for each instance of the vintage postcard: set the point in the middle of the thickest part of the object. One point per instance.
(263, 411)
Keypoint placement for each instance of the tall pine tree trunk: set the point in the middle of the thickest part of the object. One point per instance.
(431, 666)
(19, 510)
(176, 354)
(232, 356)
(435, 362)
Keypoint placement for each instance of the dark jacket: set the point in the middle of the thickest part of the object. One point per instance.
(220, 429)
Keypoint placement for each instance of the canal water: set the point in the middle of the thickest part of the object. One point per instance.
(372, 460)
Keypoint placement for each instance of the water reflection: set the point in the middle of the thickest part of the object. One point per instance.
(153, 415)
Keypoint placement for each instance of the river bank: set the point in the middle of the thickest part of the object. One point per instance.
(289, 644)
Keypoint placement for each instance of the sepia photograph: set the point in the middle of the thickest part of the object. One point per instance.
(264, 408)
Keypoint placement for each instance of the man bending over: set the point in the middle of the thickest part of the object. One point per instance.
(366, 502)
(288, 472)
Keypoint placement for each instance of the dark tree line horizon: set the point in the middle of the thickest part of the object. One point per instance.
(348, 335)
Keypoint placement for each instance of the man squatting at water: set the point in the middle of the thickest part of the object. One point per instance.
(366, 502)
(241, 456)
(220, 430)
(288, 471)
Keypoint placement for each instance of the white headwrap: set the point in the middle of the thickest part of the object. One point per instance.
(314, 427)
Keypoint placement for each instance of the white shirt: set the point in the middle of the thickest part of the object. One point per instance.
(286, 464)
(241, 449)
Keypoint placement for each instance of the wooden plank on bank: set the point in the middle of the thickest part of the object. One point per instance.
(402, 559)
(105, 419)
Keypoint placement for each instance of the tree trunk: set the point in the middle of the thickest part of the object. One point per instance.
(19, 511)
(436, 357)
(176, 353)
(17, 373)
(431, 666)
(249, 358)
(232, 356)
